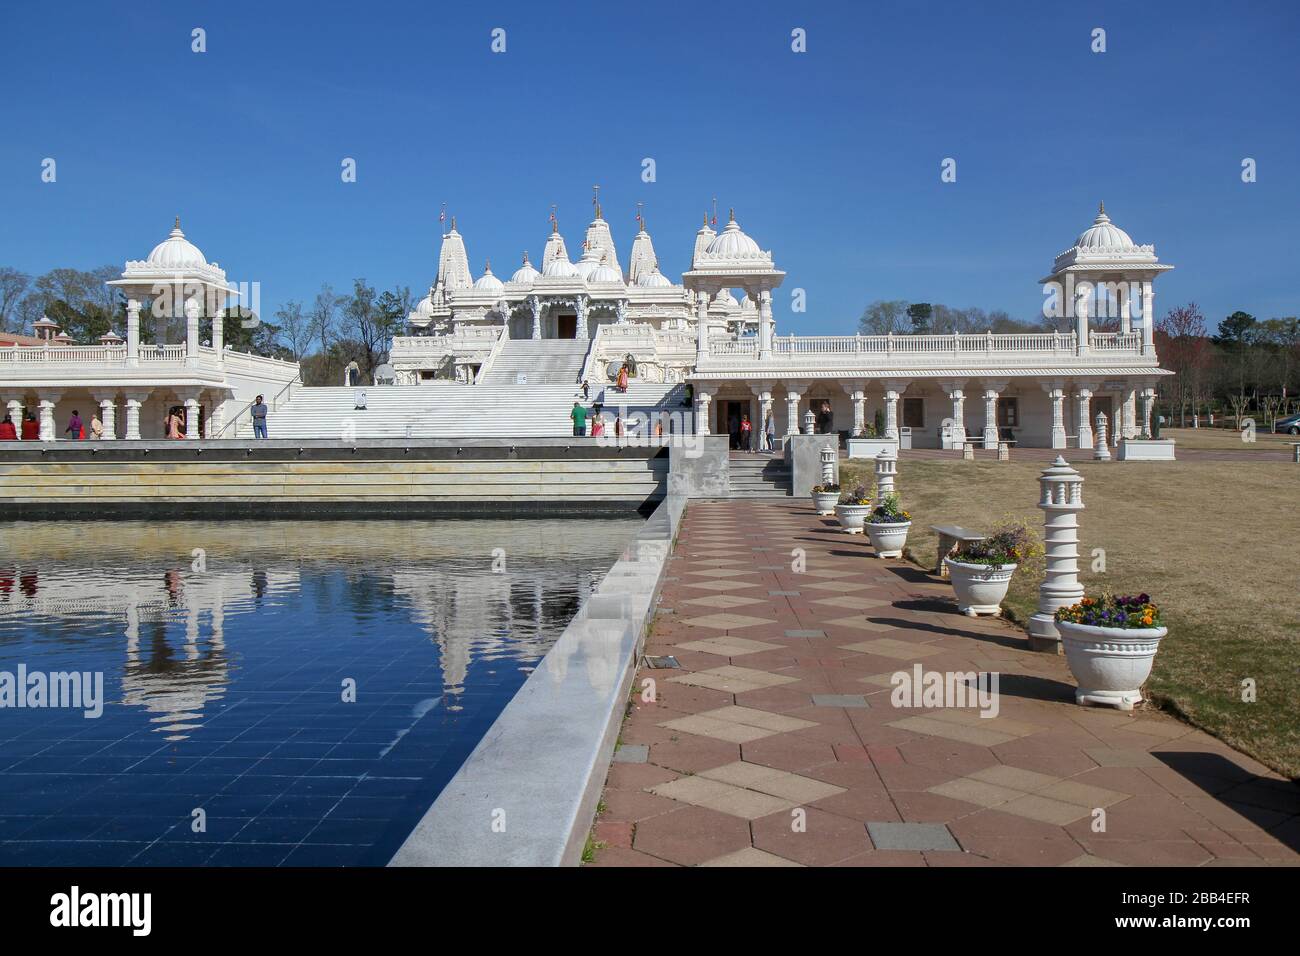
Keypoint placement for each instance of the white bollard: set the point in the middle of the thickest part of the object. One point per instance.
(1102, 452)
(968, 451)
(828, 466)
(1004, 451)
(809, 422)
(1061, 501)
(886, 472)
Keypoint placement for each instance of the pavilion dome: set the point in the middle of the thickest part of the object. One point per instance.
(176, 252)
(525, 274)
(1104, 235)
(487, 282)
(654, 279)
(424, 308)
(732, 243)
(560, 268)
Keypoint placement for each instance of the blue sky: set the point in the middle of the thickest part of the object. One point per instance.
(831, 157)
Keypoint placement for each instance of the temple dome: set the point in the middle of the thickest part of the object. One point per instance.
(525, 274)
(732, 243)
(605, 273)
(487, 282)
(560, 268)
(176, 252)
(1104, 235)
(654, 279)
(424, 308)
(589, 262)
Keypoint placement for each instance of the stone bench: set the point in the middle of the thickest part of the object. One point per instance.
(1295, 451)
(950, 536)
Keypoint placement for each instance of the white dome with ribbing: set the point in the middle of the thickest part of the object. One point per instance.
(1104, 236)
(525, 274)
(732, 243)
(176, 252)
(487, 282)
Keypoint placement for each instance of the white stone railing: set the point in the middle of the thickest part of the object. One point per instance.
(93, 357)
(255, 364)
(471, 339)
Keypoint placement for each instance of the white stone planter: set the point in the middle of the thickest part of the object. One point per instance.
(825, 501)
(980, 588)
(1146, 449)
(852, 517)
(1110, 664)
(888, 539)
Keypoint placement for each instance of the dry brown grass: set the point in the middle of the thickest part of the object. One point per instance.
(1211, 541)
(1223, 439)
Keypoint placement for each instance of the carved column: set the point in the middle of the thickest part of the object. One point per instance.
(1084, 422)
(15, 409)
(1057, 394)
(132, 332)
(192, 312)
(107, 414)
(792, 390)
(1081, 317)
(47, 402)
(765, 325)
(701, 324)
(581, 303)
(991, 417)
(702, 399)
(1148, 406)
(958, 396)
(219, 332)
(892, 391)
(1148, 318)
(535, 306)
(133, 402)
(1126, 309)
(620, 311)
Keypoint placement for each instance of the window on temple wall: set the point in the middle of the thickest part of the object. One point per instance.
(913, 413)
(1008, 413)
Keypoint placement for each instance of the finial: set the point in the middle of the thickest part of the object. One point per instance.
(1101, 207)
(488, 267)
(706, 219)
(525, 257)
(453, 223)
(732, 217)
(178, 222)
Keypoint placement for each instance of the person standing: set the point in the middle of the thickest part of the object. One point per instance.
(31, 428)
(258, 412)
(7, 430)
(746, 433)
(598, 426)
(622, 379)
(586, 389)
(769, 433)
(96, 427)
(74, 426)
(174, 423)
(579, 416)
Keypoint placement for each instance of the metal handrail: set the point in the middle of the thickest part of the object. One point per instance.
(275, 403)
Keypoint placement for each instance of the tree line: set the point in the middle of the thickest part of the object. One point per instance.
(324, 335)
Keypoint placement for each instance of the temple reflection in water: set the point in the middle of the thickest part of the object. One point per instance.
(486, 592)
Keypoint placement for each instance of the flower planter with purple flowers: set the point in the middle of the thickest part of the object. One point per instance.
(1110, 645)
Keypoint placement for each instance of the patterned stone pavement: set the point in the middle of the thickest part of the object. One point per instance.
(776, 742)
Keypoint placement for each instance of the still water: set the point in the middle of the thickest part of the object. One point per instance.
(273, 692)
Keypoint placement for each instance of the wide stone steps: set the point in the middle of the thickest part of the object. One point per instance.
(542, 361)
(452, 411)
(759, 476)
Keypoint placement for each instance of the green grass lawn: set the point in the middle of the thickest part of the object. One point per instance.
(1212, 542)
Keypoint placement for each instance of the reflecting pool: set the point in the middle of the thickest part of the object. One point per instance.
(273, 692)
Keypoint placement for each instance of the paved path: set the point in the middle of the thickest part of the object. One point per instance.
(776, 742)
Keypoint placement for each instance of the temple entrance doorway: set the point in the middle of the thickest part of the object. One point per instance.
(566, 326)
(730, 413)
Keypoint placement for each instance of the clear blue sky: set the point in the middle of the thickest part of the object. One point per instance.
(831, 158)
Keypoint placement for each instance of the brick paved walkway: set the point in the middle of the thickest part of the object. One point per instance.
(776, 743)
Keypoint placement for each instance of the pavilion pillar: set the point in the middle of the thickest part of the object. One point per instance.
(191, 416)
(217, 420)
(15, 409)
(535, 306)
(1126, 310)
(1148, 318)
(132, 331)
(1081, 294)
(219, 332)
(859, 399)
(990, 417)
(958, 396)
(1129, 427)
(1148, 406)
(764, 413)
(133, 402)
(791, 410)
(1056, 393)
(701, 325)
(192, 312)
(892, 391)
(702, 399)
(107, 414)
(765, 325)
(1084, 422)
(47, 402)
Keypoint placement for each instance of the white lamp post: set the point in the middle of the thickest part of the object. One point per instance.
(1061, 501)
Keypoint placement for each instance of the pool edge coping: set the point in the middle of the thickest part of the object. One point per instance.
(527, 795)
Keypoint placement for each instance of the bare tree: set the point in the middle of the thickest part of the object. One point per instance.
(1184, 349)
(295, 327)
(882, 317)
(323, 317)
(13, 285)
